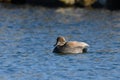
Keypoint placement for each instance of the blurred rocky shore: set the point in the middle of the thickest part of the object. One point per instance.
(108, 4)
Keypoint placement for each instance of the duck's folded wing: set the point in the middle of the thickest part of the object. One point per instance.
(83, 44)
(76, 44)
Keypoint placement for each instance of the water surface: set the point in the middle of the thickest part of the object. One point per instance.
(27, 36)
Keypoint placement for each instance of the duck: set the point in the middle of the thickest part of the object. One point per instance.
(69, 47)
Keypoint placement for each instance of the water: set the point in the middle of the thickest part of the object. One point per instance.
(27, 36)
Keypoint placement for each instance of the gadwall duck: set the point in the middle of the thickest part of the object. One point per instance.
(73, 47)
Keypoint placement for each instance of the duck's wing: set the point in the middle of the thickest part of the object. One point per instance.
(83, 44)
(76, 44)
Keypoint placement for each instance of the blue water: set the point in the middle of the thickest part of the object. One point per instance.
(27, 36)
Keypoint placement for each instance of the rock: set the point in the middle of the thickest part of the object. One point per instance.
(86, 3)
(68, 2)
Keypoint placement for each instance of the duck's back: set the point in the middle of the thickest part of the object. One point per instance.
(74, 44)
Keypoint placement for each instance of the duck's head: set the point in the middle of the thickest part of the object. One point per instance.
(60, 41)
